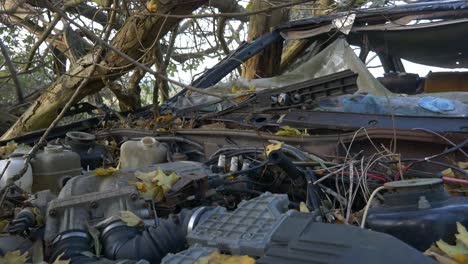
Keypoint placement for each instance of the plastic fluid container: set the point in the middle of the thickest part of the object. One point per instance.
(11, 167)
(53, 167)
(148, 151)
(91, 154)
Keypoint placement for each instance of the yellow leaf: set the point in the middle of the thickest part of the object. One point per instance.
(58, 260)
(463, 165)
(146, 187)
(152, 5)
(166, 181)
(157, 182)
(290, 131)
(448, 173)
(141, 186)
(130, 218)
(104, 172)
(146, 177)
(339, 218)
(458, 253)
(218, 258)
(275, 145)
(241, 90)
(39, 217)
(461, 258)
(241, 98)
(234, 89)
(162, 119)
(14, 257)
(303, 208)
(462, 235)
(441, 258)
(3, 224)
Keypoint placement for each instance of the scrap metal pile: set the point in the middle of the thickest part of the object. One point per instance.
(293, 171)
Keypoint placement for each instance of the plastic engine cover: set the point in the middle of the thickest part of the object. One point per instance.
(300, 240)
(245, 231)
(188, 256)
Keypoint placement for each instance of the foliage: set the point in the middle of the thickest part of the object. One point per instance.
(14, 257)
(451, 254)
(52, 46)
(19, 42)
(155, 184)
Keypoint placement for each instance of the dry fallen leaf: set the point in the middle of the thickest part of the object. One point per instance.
(441, 258)
(166, 181)
(59, 260)
(156, 183)
(451, 254)
(14, 257)
(458, 252)
(104, 172)
(130, 218)
(288, 131)
(3, 224)
(141, 186)
(448, 173)
(242, 90)
(163, 118)
(152, 5)
(218, 258)
(303, 208)
(38, 216)
(462, 236)
(275, 145)
(463, 165)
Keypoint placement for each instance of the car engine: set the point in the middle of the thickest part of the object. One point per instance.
(135, 197)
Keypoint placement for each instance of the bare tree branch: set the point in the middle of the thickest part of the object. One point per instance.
(14, 76)
(132, 41)
(229, 6)
(237, 15)
(91, 35)
(41, 39)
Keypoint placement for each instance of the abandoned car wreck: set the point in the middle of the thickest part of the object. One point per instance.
(323, 163)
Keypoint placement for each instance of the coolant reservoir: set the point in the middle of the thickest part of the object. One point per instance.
(11, 167)
(53, 167)
(148, 151)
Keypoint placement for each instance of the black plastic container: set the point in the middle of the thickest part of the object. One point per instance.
(92, 155)
(419, 212)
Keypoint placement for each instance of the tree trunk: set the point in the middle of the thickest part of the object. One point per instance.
(267, 63)
(295, 48)
(138, 33)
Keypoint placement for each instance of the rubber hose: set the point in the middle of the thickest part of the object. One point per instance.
(22, 222)
(72, 244)
(151, 243)
(278, 158)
